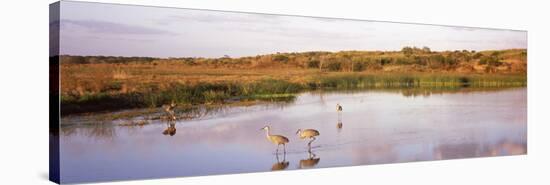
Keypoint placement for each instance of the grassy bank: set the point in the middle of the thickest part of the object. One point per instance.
(275, 89)
(204, 93)
(360, 81)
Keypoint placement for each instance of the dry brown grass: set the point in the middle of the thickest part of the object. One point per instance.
(79, 79)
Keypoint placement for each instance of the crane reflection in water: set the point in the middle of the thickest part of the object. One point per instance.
(280, 165)
(310, 161)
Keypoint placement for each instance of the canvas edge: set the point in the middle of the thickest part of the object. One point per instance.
(54, 36)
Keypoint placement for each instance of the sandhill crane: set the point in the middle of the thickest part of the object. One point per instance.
(275, 139)
(339, 111)
(169, 109)
(307, 133)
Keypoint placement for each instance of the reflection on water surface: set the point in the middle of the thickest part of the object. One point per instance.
(375, 127)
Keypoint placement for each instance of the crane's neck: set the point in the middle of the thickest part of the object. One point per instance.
(267, 132)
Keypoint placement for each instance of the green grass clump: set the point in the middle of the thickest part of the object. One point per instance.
(353, 81)
(204, 93)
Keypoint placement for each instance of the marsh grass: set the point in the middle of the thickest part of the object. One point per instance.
(203, 93)
(359, 81)
(276, 90)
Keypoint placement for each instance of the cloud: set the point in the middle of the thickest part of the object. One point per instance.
(301, 33)
(105, 27)
(93, 37)
(219, 17)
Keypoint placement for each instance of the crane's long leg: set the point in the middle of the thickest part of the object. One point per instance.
(309, 144)
(284, 149)
(277, 151)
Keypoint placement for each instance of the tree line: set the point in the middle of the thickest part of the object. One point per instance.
(349, 61)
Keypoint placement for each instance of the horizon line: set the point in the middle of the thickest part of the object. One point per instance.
(171, 57)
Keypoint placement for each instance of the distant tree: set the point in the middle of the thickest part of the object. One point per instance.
(426, 49)
(280, 58)
(322, 61)
(347, 59)
(490, 61)
(403, 60)
(451, 59)
(313, 64)
(437, 59)
(73, 60)
(384, 61)
(93, 60)
(477, 56)
(419, 60)
(334, 66)
(359, 63)
(359, 66)
(408, 51)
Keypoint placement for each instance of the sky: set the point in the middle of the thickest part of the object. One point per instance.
(126, 30)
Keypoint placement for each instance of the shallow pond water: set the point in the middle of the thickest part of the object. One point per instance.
(377, 127)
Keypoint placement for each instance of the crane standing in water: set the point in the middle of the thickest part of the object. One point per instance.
(275, 139)
(308, 133)
(171, 118)
(169, 109)
(339, 111)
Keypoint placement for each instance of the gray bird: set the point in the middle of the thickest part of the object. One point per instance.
(308, 133)
(169, 109)
(275, 139)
